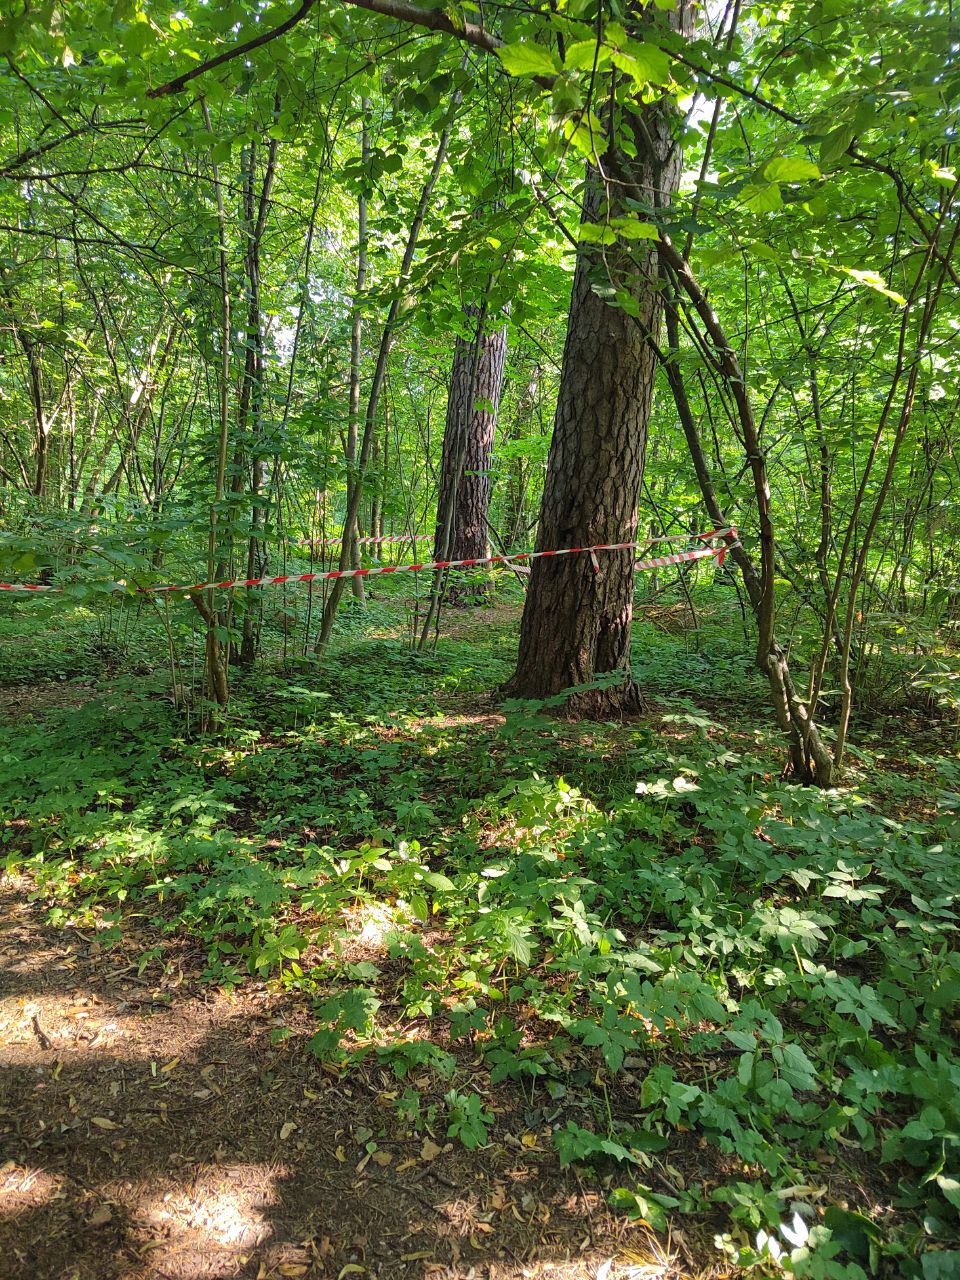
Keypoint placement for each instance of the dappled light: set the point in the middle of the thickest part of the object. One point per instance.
(225, 1207)
(479, 640)
(23, 1189)
(574, 951)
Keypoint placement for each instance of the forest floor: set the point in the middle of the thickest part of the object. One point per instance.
(341, 994)
(155, 1131)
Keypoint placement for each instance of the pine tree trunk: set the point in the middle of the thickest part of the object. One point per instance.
(463, 501)
(576, 620)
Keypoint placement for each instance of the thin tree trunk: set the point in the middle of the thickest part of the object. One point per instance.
(214, 653)
(352, 533)
(380, 372)
(255, 209)
(810, 758)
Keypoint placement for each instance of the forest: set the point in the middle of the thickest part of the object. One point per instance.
(479, 639)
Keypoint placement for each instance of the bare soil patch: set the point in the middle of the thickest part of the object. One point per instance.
(150, 1128)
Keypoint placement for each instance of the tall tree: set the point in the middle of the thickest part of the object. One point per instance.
(578, 613)
(473, 401)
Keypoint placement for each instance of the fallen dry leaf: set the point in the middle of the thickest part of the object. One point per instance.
(429, 1150)
(102, 1122)
(286, 1130)
(208, 1073)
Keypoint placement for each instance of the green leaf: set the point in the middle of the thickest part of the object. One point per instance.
(763, 199)
(761, 250)
(791, 169)
(940, 1265)
(835, 144)
(634, 229)
(436, 881)
(586, 135)
(645, 63)
(528, 59)
(874, 280)
(640, 1207)
(517, 936)
(797, 1069)
(582, 54)
(567, 97)
(940, 173)
(595, 233)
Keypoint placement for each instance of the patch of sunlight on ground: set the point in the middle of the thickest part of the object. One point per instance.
(224, 1208)
(371, 924)
(23, 1188)
(75, 1026)
(32, 1026)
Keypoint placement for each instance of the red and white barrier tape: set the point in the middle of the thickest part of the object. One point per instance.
(371, 541)
(656, 562)
(428, 537)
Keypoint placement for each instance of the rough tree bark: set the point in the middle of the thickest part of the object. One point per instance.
(473, 401)
(576, 620)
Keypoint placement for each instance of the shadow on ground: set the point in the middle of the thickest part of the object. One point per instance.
(158, 1132)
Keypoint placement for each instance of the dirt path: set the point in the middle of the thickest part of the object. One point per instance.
(154, 1130)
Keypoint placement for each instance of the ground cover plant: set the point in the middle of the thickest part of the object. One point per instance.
(725, 1000)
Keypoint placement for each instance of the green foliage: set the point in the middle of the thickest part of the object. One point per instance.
(641, 930)
(767, 967)
(470, 1120)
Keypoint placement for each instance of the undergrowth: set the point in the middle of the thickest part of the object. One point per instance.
(663, 944)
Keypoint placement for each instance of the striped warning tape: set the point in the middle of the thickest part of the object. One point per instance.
(429, 537)
(655, 562)
(379, 540)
